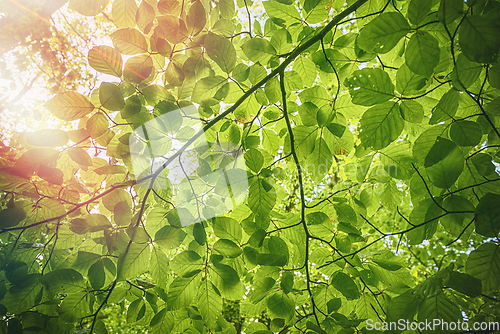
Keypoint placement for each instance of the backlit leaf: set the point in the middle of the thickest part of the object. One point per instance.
(478, 38)
(106, 60)
(381, 125)
(422, 53)
(129, 41)
(370, 86)
(69, 106)
(88, 7)
(123, 12)
(221, 51)
(383, 33)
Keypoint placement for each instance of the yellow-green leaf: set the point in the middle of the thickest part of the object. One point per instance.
(69, 106)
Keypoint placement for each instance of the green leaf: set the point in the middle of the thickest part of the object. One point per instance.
(466, 133)
(454, 222)
(129, 41)
(138, 68)
(383, 33)
(144, 17)
(425, 211)
(172, 28)
(478, 38)
(418, 10)
(222, 51)
(167, 7)
(282, 13)
(209, 303)
(182, 291)
(69, 106)
(334, 304)
(493, 108)
(133, 261)
(227, 248)
(226, 279)
(97, 125)
(122, 214)
(88, 7)
(254, 160)
(343, 283)
(186, 263)
(488, 215)
(270, 141)
(51, 175)
(387, 260)
(12, 216)
(306, 69)
(64, 281)
(47, 138)
(258, 50)
(484, 264)
(370, 86)
(286, 282)
(450, 10)
(132, 106)
(206, 88)
(227, 8)
(305, 140)
(170, 237)
(162, 322)
(465, 283)
(124, 13)
(411, 111)
(196, 18)
(174, 75)
(199, 234)
(465, 73)
(106, 60)
(256, 73)
(444, 163)
(261, 199)
(446, 107)
(316, 95)
(14, 326)
(282, 41)
(22, 297)
(425, 141)
(494, 76)
(422, 53)
(367, 307)
(75, 306)
(111, 97)
(159, 268)
(281, 306)
(96, 275)
(438, 307)
(227, 228)
(407, 82)
(381, 125)
(325, 116)
(317, 218)
(278, 248)
(483, 164)
(320, 160)
(318, 10)
(79, 156)
(136, 310)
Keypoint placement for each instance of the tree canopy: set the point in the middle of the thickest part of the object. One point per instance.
(310, 166)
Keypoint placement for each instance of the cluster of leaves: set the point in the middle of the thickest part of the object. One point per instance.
(370, 137)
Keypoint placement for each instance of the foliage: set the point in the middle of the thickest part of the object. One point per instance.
(364, 144)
